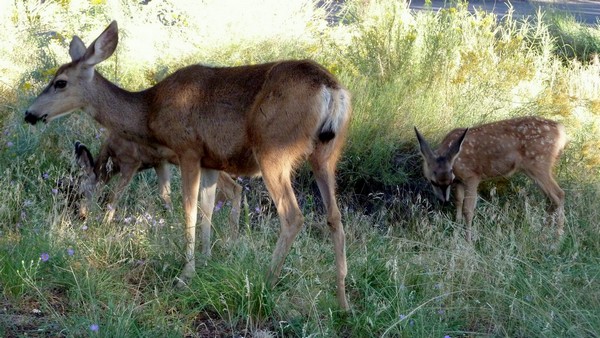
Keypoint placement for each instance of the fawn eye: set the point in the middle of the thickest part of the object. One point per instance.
(60, 84)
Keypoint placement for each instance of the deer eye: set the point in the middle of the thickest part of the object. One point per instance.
(60, 84)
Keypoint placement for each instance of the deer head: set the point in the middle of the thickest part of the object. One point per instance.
(437, 168)
(71, 87)
(79, 188)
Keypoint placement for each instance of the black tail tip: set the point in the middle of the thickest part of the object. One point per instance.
(326, 136)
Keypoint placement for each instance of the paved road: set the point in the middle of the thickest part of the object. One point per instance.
(585, 11)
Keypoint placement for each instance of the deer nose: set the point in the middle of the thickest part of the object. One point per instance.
(30, 118)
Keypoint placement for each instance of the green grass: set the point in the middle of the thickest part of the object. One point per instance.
(411, 274)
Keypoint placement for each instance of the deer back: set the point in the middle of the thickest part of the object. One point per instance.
(501, 148)
(232, 112)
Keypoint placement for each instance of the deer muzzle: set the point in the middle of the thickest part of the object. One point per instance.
(32, 118)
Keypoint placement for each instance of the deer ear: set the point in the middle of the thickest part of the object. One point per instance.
(456, 146)
(76, 48)
(103, 47)
(84, 158)
(426, 151)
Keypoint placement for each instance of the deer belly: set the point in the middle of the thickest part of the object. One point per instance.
(241, 164)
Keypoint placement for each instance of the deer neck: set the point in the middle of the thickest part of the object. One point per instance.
(120, 111)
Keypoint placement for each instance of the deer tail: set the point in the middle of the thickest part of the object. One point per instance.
(335, 112)
(563, 138)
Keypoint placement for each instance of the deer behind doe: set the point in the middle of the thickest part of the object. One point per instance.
(123, 158)
(468, 156)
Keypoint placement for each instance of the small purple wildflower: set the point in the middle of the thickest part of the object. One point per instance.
(9, 144)
(447, 336)
(441, 311)
(85, 227)
(45, 176)
(44, 257)
(411, 322)
(94, 327)
(402, 317)
(54, 191)
(127, 219)
(257, 209)
(70, 251)
(99, 133)
(219, 205)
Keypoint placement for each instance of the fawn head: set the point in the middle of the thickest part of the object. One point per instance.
(79, 188)
(437, 168)
(71, 86)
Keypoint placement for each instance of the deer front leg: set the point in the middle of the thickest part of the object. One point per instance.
(207, 203)
(232, 192)
(114, 196)
(164, 184)
(470, 201)
(190, 182)
(459, 198)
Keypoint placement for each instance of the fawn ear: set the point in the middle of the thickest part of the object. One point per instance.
(426, 151)
(84, 158)
(454, 150)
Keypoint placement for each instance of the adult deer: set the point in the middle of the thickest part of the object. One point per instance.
(119, 156)
(468, 156)
(248, 120)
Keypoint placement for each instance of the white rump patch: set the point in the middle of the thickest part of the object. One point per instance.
(334, 108)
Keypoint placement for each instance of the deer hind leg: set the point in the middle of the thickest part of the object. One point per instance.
(323, 166)
(207, 203)
(190, 183)
(277, 177)
(164, 184)
(232, 192)
(543, 178)
(470, 201)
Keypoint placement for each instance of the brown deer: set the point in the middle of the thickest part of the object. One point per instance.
(119, 156)
(468, 156)
(248, 120)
